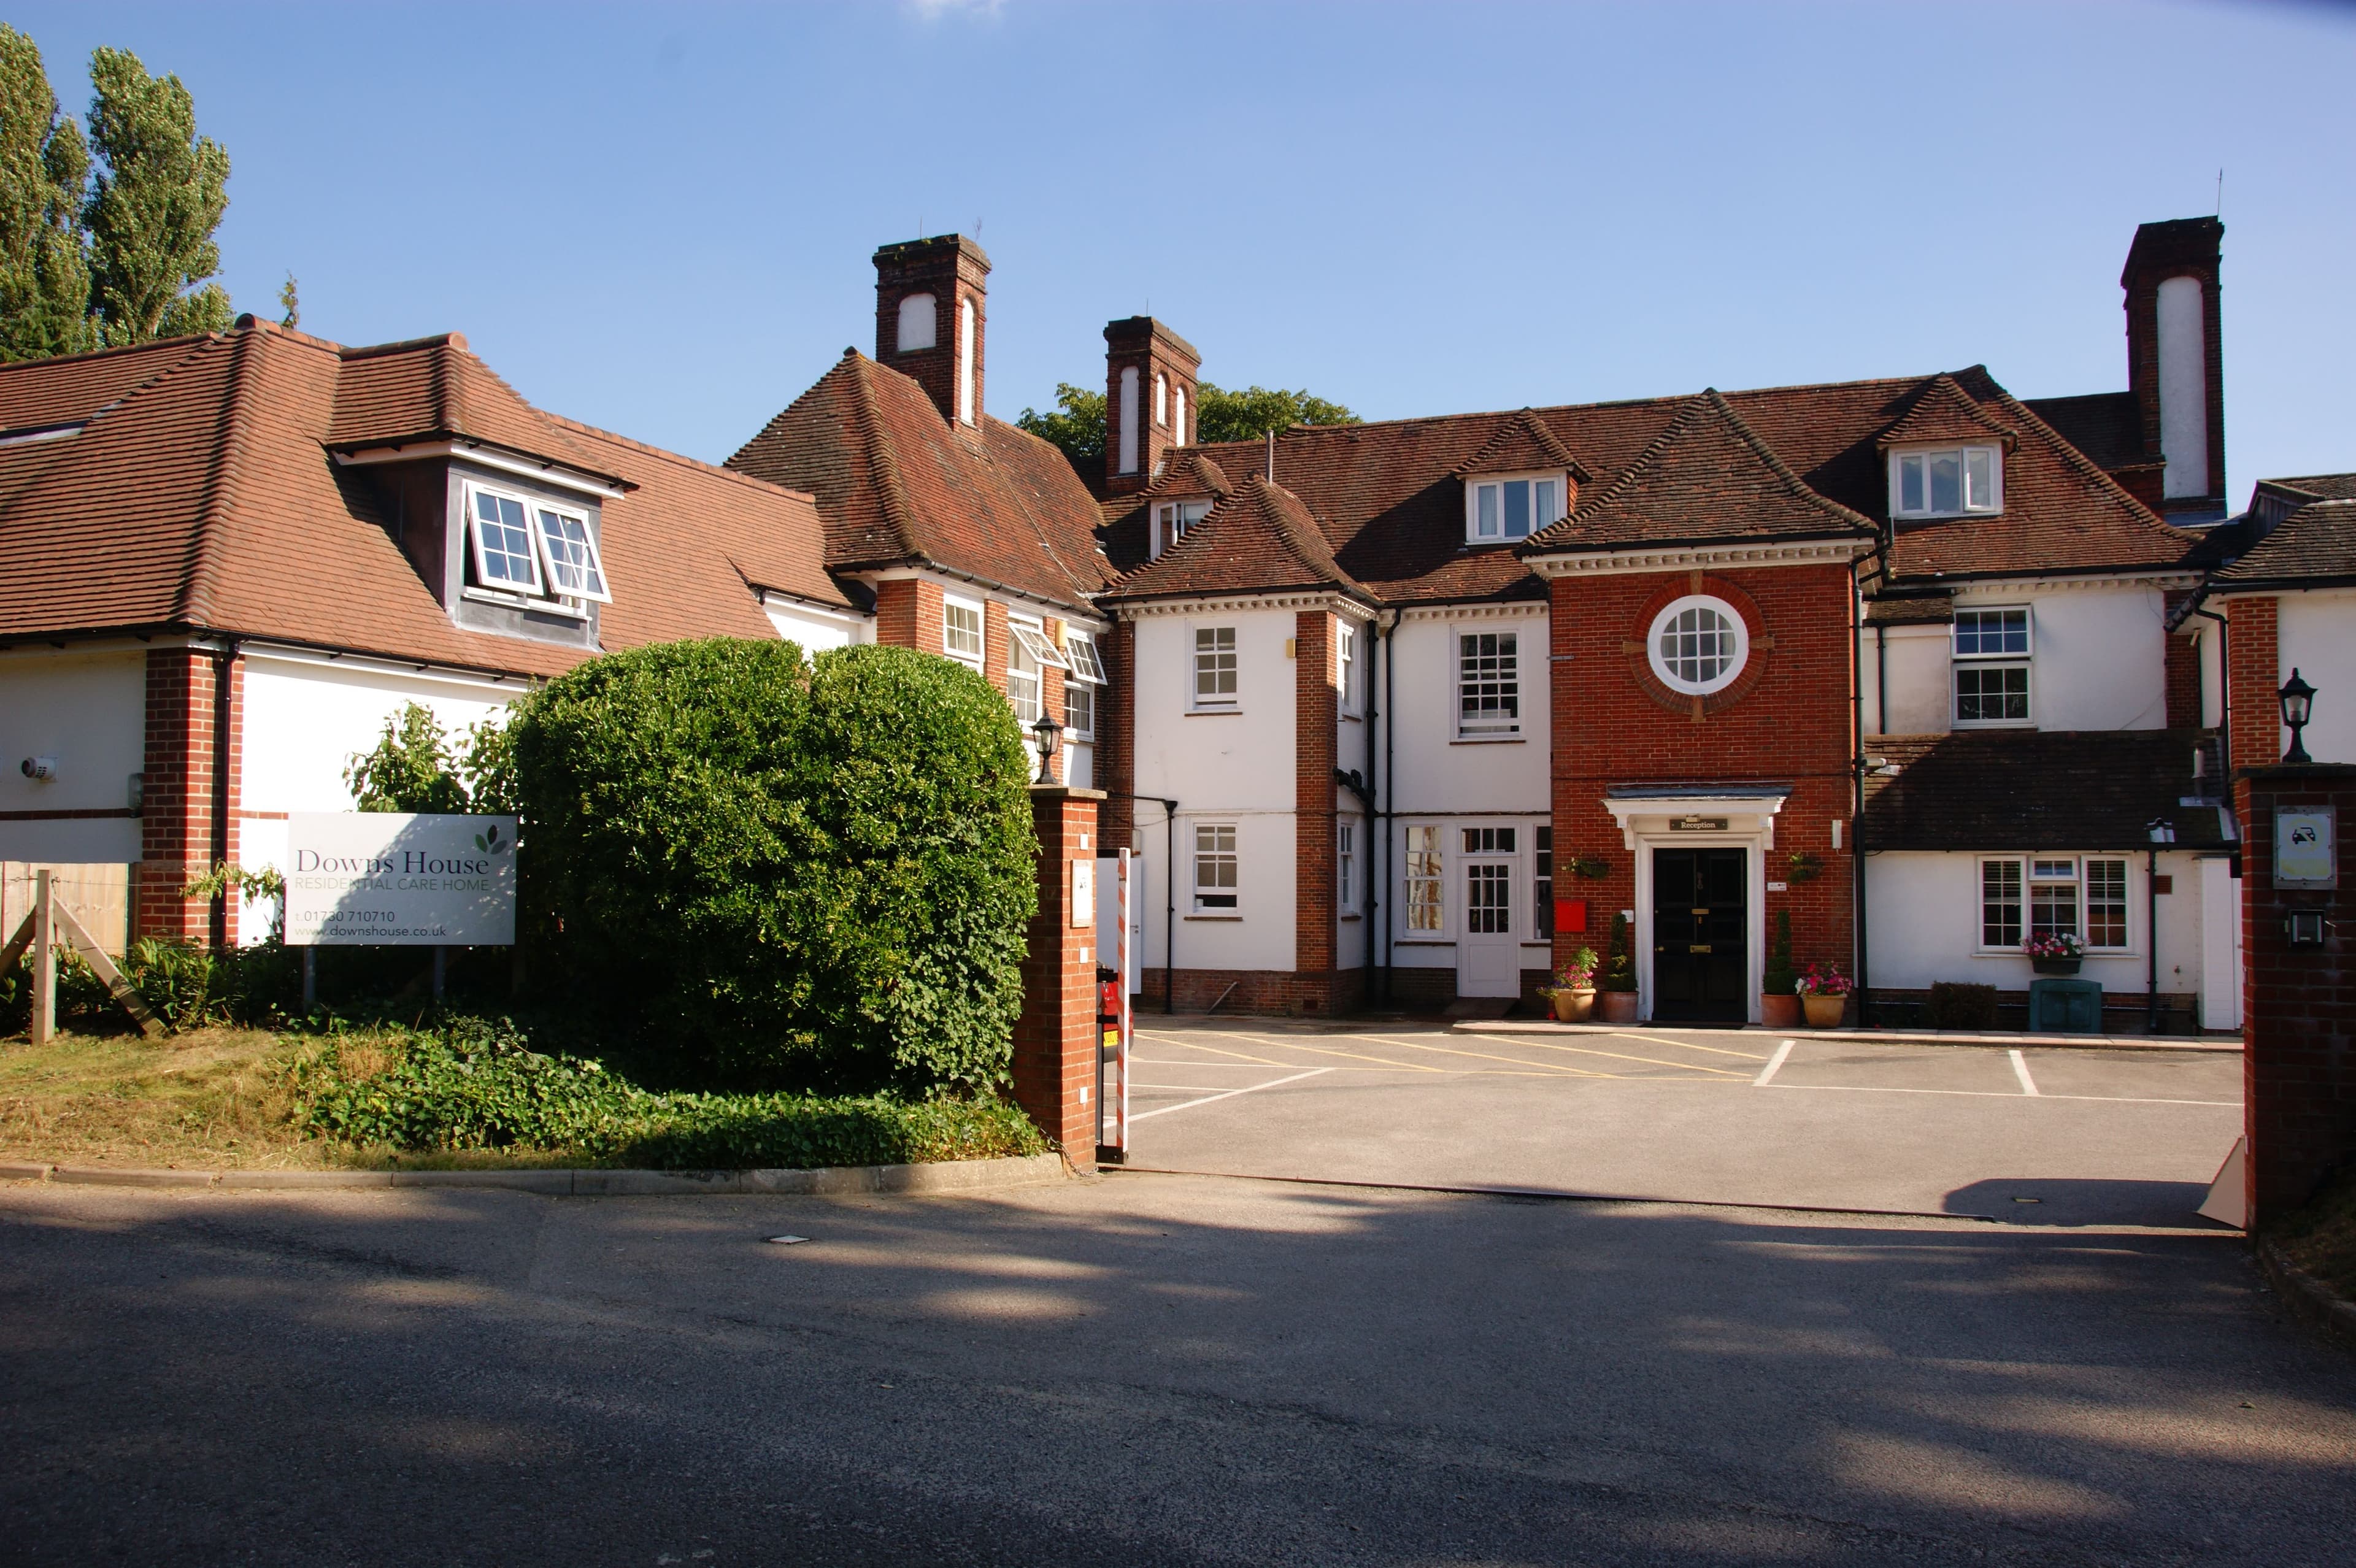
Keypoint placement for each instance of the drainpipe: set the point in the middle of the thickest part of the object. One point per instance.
(2151, 937)
(1390, 666)
(1881, 678)
(225, 764)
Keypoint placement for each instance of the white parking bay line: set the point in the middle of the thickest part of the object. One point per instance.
(1248, 1089)
(1775, 1065)
(2020, 1071)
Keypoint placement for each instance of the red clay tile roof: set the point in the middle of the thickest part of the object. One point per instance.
(1258, 539)
(1943, 414)
(2028, 790)
(1705, 476)
(207, 499)
(2107, 426)
(69, 391)
(897, 485)
(1523, 442)
(435, 388)
(2314, 546)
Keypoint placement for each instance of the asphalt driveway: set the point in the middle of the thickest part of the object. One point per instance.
(2032, 1135)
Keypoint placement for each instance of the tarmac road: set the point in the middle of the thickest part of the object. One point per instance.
(1141, 1370)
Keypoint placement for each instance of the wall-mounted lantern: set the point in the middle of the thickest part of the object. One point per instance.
(1045, 733)
(2297, 703)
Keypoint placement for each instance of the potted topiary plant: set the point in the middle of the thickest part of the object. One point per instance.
(1618, 982)
(1824, 995)
(1779, 1000)
(1573, 991)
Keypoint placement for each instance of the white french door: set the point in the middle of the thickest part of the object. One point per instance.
(1488, 944)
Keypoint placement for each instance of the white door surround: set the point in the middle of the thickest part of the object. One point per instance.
(1697, 816)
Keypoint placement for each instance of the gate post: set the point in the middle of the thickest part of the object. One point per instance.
(1055, 1037)
(2299, 987)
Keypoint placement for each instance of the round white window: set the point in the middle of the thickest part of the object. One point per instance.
(1698, 645)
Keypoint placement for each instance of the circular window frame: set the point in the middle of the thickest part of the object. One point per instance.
(1726, 676)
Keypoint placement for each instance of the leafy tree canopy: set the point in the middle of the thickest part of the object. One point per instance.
(44, 166)
(1077, 424)
(414, 767)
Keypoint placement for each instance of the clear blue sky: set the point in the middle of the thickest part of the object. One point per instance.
(659, 219)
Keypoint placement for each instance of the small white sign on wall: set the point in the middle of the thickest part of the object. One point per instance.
(2306, 847)
(386, 879)
(1084, 892)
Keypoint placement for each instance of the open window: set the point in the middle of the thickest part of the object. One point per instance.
(1172, 520)
(532, 550)
(1081, 686)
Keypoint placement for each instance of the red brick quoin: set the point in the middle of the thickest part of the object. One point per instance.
(1055, 1037)
(1785, 720)
(189, 804)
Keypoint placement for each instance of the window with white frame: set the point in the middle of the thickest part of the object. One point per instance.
(961, 631)
(1427, 888)
(2106, 902)
(1488, 684)
(1345, 863)
(2000, 903)
(1215, 666)
(1992, 662)
(1081, 685)
(1511, 506)
(2025, 898)
(1698, 645)
(1028, 652)
(1345, 653)
(1542, 883)
(532, 549)
(1161, 398)
(1214, 866)
(1954, 483)
(1172, 518)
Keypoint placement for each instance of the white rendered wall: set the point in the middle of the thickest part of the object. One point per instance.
(1919, 661)
(817, 630)
(1436, 773)
(89, 710)
(2221, 946)
(1922, 912)
(2183, 388)
(2316, 634)
(1228, 767)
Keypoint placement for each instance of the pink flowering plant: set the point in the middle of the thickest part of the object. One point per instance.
(1578, 973)
(1822, 980)
(2060, 945)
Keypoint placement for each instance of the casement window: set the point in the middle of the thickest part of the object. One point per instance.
(1956, 482)
(1028, 652)
(1698, 645)
(1345, 864)
(1542, 883)
(1081, 685)
(1427, 894)
(1172, 518)
(1511, 506)
(2054, 895)
(1215, 666)
(1345, 653)
(1992, 664)
(1488, 684)
(532, 547)
(1214, 866)
(961, 631)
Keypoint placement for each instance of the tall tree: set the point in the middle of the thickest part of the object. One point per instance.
(44, 270)
(159, 193)
(1077, 424)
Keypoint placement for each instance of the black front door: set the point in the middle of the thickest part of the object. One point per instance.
(1700, 970)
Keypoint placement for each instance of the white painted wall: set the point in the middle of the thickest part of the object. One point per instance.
(2098, 660)
(1439, 775)
(1923, 913)
(89, 710)
(1918, 660)
(817, 630)
(2183, 388)
(2221, 946)
(2318, 638)
(1235, 767)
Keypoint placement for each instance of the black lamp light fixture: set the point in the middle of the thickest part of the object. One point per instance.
(2297, 703)
(1045, 733)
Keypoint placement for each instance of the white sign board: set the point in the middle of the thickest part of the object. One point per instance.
(387, 878)
(2306, 852)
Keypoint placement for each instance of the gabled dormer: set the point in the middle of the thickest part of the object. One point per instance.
(1521, 481)
(1945, 457)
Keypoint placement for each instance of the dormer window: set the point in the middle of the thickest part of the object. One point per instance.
(1953, 483)
(1511, 506)
(532, 550)
(1172, 518)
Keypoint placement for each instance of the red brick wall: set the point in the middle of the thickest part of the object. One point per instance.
(2253, 674)
(993, 644)
(2298, 1003)
(1132, 344)
(1261, 990)
(1785, 721)
(195, 733)
(1117, 737)
(2183, 671)
(1056, 1038)
(1316, 699)
(908, 614)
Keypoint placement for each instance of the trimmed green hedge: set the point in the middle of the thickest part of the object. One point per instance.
(476, 1085)
(787, 872)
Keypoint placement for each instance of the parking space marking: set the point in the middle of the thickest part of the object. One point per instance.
(1686, 1045)
(1227, 1094)
(1541, 1069)
(1322, 1051)
(1182, 1039)
(2020, 1071)
(1993, 1095)
(1775, 1065)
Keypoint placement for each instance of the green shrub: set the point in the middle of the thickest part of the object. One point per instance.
(1959, 1004)
(476, 1085)
(1779, 977)
(1618, 967)
(801, 874)
(185, 985)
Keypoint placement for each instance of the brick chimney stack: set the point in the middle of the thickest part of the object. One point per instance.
(2176, 363)
(1149, 400)
(931, 316)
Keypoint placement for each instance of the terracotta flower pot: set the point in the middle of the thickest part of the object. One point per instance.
(1618, 1007)
(1572, 1006)
(1779, 1011)
(1824, 1012)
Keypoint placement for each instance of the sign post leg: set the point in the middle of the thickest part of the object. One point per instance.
(310, 979)
(441, 955)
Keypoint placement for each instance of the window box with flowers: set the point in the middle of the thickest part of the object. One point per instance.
(1573, 991)
(1824, 995)
(2058, 953)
